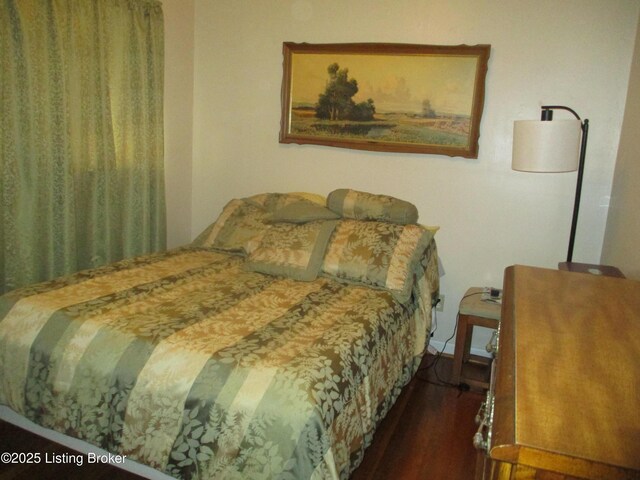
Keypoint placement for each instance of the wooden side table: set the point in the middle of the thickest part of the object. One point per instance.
(473, 311)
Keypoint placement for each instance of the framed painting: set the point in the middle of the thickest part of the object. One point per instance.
(384, 96)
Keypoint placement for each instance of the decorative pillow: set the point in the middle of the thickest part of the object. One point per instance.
(202, 237)
(377, 254)
(238, 229)
(367, 206)
(273, 202)
(312, 197)
(303, 211)
(292, 250)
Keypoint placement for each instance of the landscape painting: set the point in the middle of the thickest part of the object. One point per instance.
(385, 97)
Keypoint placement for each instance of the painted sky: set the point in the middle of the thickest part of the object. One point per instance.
(397, 83)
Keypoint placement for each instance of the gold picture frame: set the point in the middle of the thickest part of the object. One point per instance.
(384, 96)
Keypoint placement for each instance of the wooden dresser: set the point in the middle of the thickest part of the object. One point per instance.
(564, 400)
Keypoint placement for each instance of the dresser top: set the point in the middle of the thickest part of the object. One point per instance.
(575, 371)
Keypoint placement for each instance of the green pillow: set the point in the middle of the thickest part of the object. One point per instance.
(292, 250)
(238, 228)
(272, 202)
(303, 211)
(368, 206)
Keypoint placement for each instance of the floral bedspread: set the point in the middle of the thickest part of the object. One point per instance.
(188, 363)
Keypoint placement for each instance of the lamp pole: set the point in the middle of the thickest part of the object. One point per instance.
(547, 114)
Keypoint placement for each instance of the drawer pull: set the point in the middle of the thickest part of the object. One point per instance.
(484, 420)
(492, 346)
(479, 442)
(481, 413)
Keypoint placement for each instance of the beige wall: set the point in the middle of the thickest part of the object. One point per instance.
(576, 52)
(178, 113)
(622, 236)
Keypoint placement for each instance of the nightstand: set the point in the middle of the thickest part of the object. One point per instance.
(473, 311)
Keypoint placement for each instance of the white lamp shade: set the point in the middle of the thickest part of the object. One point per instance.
(546, 146)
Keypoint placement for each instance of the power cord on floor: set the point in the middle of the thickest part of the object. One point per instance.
(462, 387)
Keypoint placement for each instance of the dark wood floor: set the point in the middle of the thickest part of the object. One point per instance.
(427, 435)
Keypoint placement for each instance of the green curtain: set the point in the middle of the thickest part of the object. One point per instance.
(81, 135)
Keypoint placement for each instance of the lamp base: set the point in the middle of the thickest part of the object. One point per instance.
(606, 270)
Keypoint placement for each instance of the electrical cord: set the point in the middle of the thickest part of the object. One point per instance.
(434, 309)
(462, 387)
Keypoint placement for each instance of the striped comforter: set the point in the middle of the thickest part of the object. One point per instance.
(188, 363)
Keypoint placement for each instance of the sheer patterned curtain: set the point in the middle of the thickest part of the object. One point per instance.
(81, 135)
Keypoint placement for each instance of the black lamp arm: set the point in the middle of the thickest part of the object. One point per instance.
(547, 111)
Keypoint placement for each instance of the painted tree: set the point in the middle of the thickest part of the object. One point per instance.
(336, 102)
(427, 111)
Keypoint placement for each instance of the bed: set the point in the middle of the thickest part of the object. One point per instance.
(270, 347)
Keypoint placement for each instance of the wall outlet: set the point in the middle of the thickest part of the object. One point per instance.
(440, 305)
